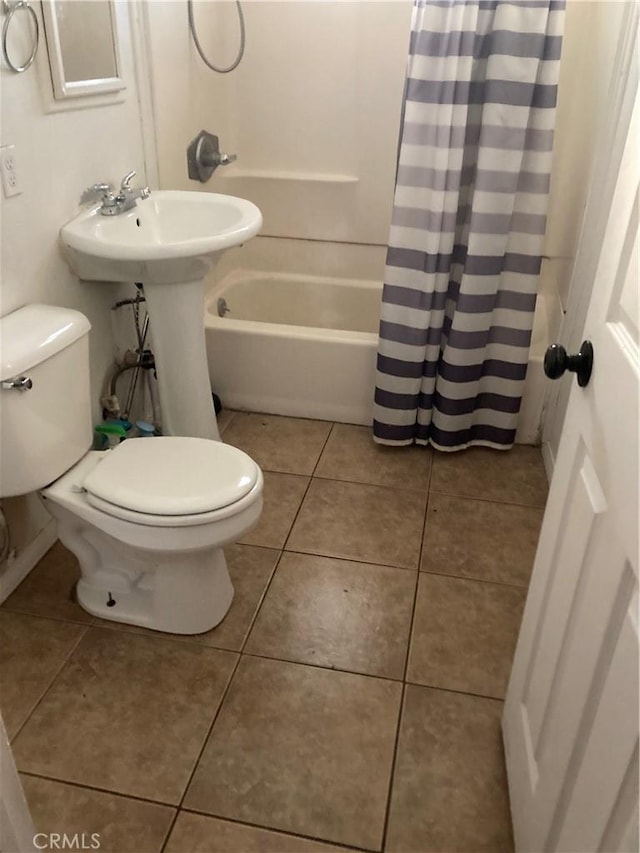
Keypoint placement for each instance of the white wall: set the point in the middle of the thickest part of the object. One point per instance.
(312, 111)
(58, 155)
(592, 33)
(585, 71)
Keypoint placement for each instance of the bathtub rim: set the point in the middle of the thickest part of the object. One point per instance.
(539, 333)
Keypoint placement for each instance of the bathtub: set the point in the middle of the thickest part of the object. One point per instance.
(297, 345)
(305, 346)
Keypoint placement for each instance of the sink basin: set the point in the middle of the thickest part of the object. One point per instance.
(168, 238)
(168, 243)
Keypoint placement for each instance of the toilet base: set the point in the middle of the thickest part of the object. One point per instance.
(180, 592)
(184, 600)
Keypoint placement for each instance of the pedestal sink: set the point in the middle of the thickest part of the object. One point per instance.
(168, 242)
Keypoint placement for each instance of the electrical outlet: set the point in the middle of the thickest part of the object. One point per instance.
(9, 168)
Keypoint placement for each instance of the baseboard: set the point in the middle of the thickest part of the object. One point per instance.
(548, 459)
(19, 565)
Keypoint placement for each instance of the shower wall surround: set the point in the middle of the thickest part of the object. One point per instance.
(312, 111)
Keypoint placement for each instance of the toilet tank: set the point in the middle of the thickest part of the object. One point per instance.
(45, 428)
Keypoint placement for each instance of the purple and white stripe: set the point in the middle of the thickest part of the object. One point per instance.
(468, 221)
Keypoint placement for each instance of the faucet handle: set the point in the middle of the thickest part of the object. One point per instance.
(96, 192)
(125, 183)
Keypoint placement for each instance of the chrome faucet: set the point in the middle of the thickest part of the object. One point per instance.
(112, 203)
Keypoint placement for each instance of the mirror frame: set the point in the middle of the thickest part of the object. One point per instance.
(63, 89)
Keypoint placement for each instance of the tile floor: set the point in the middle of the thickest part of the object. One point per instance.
(350, 699)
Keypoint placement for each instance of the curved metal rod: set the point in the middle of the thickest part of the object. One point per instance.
(10, 9)
(196, 41)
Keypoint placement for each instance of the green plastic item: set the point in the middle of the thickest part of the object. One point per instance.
(113, 433)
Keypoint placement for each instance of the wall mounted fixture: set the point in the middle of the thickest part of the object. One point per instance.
(204, 157)
(10, 8)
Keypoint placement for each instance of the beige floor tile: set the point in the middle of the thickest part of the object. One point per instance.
(49, 590)
(301, 749)
(250, 569)
(450, 788)
(32, 651)
(224, 419)
(480, 539)
(282, 495)
(464, 634)
(287, 445)
(194, 833)
(514, 476)
(335, 613)
(127, 713)
(352, 454)
(358, 522)
(120, 824)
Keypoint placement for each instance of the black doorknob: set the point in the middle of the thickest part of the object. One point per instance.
(556, 361)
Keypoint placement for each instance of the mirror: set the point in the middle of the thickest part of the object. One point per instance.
(82, 43)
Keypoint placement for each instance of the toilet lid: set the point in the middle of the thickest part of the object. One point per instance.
(171, 475)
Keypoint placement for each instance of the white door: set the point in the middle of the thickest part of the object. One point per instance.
(17, 832)
(571, 714)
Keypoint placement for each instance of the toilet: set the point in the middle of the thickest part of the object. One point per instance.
(147, 519)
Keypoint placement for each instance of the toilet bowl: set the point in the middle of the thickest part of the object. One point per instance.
(147, 519)
(165, 568)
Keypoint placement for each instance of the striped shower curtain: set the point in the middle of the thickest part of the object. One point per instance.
(468, 221)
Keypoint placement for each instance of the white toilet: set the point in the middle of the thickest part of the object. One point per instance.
(148, 519)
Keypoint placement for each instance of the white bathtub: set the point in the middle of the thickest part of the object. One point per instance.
(305, 346)
(295, 345)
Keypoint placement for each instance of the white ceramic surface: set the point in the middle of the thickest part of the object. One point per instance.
(142, 571)
(162, 568)
(168, 238)
(312, 344)
(169, 242)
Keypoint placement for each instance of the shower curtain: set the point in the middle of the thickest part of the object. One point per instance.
(468, 222)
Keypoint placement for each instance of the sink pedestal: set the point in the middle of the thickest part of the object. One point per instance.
(176, 313)
(169, 242)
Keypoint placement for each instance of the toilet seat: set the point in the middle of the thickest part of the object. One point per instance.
(193, 520)
(171, 480)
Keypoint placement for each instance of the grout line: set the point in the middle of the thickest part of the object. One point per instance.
(202, 749)
(326, 441)
(281, 417)
(348, 559)
(522, 587)
(260, 602)
(324, 667)
(458, 692)
(279, 558)
(287, 832)
(396, 748)
(306, 491)
(50, 683)
(264, 547)
(144, 633)
(394, 762)
(488, 500)
(110, 791)
(395, 487)
(22, 611)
